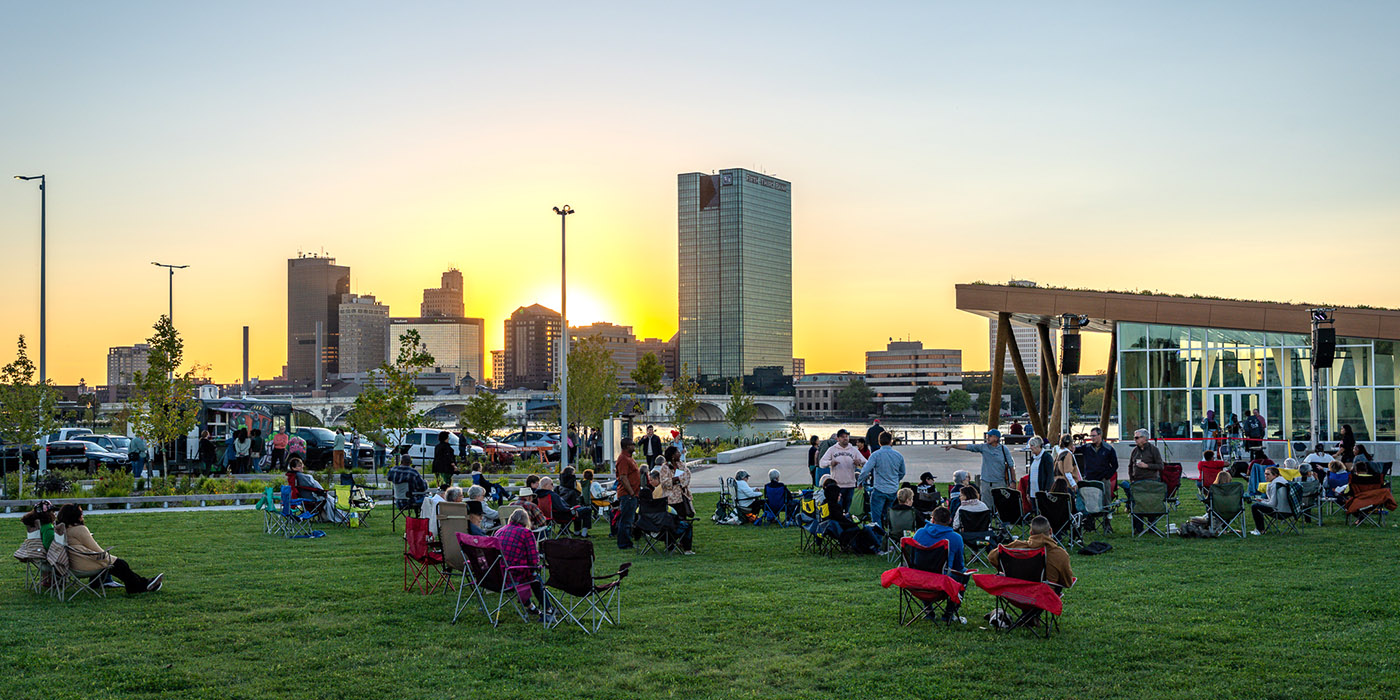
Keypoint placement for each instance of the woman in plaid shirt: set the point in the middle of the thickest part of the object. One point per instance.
(517, 545)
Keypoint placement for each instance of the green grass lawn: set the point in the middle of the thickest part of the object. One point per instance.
(249, 615)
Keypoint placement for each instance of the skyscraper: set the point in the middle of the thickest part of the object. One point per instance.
(620, 343)
(457, 344)
(314, 286)
(364, 333)
(1027, 341)
(735, 273)
(445, 300)
(125, 361)
(498, 369)
(532, 333)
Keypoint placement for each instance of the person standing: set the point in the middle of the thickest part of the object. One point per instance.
(255, 452)
(136, 450)
(812, 458)
(208, 454)
(1041, 468)
(1254, 425)
(338, 451)
(843, 459)
(885, 469)
(872, 434)
(443, 460)
(1146, 460)
(651, 446)
(998, 471)
(296, 447)
(629, 486)
(1098, 461)
(279, 449)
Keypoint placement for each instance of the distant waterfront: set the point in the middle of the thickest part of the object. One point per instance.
(916, 430)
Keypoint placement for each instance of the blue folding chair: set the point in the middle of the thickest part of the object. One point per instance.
(778, 506)
(296, 520)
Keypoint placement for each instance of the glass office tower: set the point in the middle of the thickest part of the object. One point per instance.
(1169, 376)
(735, 273)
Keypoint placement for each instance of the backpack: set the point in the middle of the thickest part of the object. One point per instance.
(1252, 428)
(1096, 548)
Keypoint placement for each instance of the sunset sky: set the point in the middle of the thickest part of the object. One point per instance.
(1243, 149)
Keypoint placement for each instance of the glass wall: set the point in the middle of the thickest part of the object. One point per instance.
(1169, 377)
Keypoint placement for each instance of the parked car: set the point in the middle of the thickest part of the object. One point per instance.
(81, 453)
(64, 434)
(419, 444)
(504, 453)
(110, 443)
(320, 442)
(531, 439)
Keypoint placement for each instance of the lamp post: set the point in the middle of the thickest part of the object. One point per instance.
(43, 274)
(563, 213)
(172, 269)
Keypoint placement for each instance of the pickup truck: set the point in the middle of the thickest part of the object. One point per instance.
(67, 454)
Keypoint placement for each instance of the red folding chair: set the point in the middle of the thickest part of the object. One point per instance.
(1020, 583)
(925, 588)
(420, 559)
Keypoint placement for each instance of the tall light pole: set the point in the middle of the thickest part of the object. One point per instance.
(564, 213)
(43, 275)
(172, 269)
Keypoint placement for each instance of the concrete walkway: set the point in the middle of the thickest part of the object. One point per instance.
(792, 463)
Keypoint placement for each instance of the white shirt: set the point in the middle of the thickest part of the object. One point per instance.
(1316, 458)
(429, 511)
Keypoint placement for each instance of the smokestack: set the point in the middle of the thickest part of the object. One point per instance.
(320, 355)
(245, 358)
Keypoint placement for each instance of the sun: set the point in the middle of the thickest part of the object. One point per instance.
(585, 306)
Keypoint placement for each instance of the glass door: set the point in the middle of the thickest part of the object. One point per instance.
(1231, 407)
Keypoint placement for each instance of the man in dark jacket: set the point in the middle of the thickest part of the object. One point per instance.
(207, 453)
(651, 446)
(872, 436)
(1098, 460)
(444, 461)
(1146, 460)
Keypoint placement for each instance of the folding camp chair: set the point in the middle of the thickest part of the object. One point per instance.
(978, 538)
(419, 559)
(925, 588)
(655, 526)
(597, 599)
(296, 519)
(547, 531)
(1309, 494)
(1286, 516)
(902, 521)
(727, 507)
(486, 580)
(807, 520)
(1171, 476)
(925, 501)
(449, 526)
(353, 512)
(37, 573)
(1097, 506)
(1065, 524)
(402, 504)
(1225, 504)
(1020, 583)
(1006, 504)
(79, 582)
(777, 506)
(1368, 501)
(1147, 504)
(1207, 476)
(267, 506)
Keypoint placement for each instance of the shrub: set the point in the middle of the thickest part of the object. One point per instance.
(113, 483)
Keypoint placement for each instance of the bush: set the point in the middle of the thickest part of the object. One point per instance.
(113, 483)
(55, 485)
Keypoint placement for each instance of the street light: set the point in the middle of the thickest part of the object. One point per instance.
(43, 274)
(564, 213)
(172, 269)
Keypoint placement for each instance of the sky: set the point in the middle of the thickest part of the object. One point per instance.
(1242, 149)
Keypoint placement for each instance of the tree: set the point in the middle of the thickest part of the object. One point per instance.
(959, 401)
(384, 410)
(593, 389)
(484, 414)
(927, 399)
(90, 406)
(1092, 401)
(857, 398)
(741, 411)
(27, 408)
(164, 407)
(680, 401)
(648, 373)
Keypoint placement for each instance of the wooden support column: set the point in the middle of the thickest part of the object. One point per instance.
(998, 366)
(1053, 429)
(1049, 372)
(1021, 377)
(1110, 379)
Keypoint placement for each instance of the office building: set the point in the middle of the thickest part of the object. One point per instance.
(665, 350)
(458, 345)
(364, 333)
(815, 394)
(619, 341)
(446, 300)
(735, 276)
(314, 288)
(1027, 341)
(532, 334)
(498, 369)
(123, 362)
(904, 367)
(799, 368)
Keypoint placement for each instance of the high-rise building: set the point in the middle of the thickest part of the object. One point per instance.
(618, 340)
(458, 345)
(446, 300)
(498, 369)
(1027, 341)
(735, 278)
(314, 287)
(364, 333)
(532, 333)
(123, 362)
(904, 367)
(799, 368)
(665, 350)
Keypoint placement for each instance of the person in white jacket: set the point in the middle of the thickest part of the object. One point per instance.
(843, 459)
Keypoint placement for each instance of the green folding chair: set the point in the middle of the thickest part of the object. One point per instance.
(353, 512)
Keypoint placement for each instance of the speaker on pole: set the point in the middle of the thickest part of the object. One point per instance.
(1324, 347)
(1069, 353)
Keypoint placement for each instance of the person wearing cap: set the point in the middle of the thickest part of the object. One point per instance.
(750, 499)
(843, 459)
(474, 515)
(872, 434)
(998, 469)
(629, 486)
(526, 502)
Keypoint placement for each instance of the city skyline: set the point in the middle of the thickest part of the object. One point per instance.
(939, 145)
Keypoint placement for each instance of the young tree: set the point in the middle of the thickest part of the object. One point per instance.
(681, 401)
(927, 399)
(648, 373)
(856, 399)
(27, 409)
(959, 401)
(163, 403)
(740, 412)
(593, 388)
(1092, 401)
(484, 414)
(384, 410)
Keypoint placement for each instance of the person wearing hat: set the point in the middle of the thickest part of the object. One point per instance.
(526, 501)
(474, 515)
(998, 469)
(750, 499)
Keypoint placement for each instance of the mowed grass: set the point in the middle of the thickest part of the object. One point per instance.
(249, 615)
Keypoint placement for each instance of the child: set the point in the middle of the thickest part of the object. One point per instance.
(1337, 478)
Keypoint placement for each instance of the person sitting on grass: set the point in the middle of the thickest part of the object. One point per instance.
(1273, 500)
(750, 499)
(1057, 568)
(940, 529)
(526, 501)
(87, 556)
(490, 518)
(861, 540)
(404, 473)
(518, 549)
